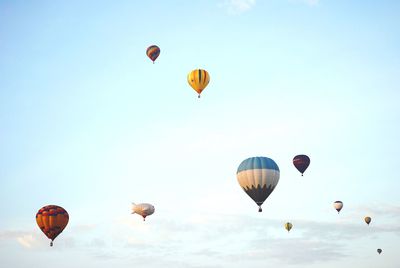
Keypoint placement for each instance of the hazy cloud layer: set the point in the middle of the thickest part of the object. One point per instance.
(231, 237)
(211, 239)
(27, 239)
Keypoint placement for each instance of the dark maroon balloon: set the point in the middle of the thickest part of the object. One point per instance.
(301, 162)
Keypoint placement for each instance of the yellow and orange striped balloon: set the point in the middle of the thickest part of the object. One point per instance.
(52, 220)
(198, 79)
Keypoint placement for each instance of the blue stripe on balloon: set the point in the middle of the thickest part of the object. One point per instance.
(258, 163)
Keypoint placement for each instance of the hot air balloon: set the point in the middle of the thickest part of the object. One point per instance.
(153, 52)
(288, 226)
(198, 79)
(258, 176)
(301, 162)
(367, 220)
(338, 205)
(52, 221)
(143, 209)
(379, 250)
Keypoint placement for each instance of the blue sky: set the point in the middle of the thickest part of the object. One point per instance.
(87, 122)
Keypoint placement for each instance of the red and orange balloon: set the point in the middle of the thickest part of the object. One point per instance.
(52, 220)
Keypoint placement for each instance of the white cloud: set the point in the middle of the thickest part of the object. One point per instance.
(238, 6)
(302, 250)
(26, 240)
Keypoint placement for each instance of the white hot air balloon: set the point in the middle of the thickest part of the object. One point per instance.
(143, 209)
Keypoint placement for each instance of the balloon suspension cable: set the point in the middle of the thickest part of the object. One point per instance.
(259, 209)
(51, 243)
(153, 61)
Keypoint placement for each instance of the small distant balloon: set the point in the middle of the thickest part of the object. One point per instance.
(52, 220)
(338, 205)
(143, 209)
(379, 250)
(153, 52)
(367, 220)
(301, 162)
(288, 226)
(198, 79)
(258, 177)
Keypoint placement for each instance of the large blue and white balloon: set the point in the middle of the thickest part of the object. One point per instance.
(258, 176)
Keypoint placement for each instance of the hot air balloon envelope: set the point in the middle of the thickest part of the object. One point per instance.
(301, 162)
(52, 220)
(198, 79)
(153, 52)
(338, 205)
(258, 177)
(288, 226)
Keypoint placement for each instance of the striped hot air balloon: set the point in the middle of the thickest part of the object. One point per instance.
(198, 79)
(153, 52)
(258, 176)
(52, 220)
